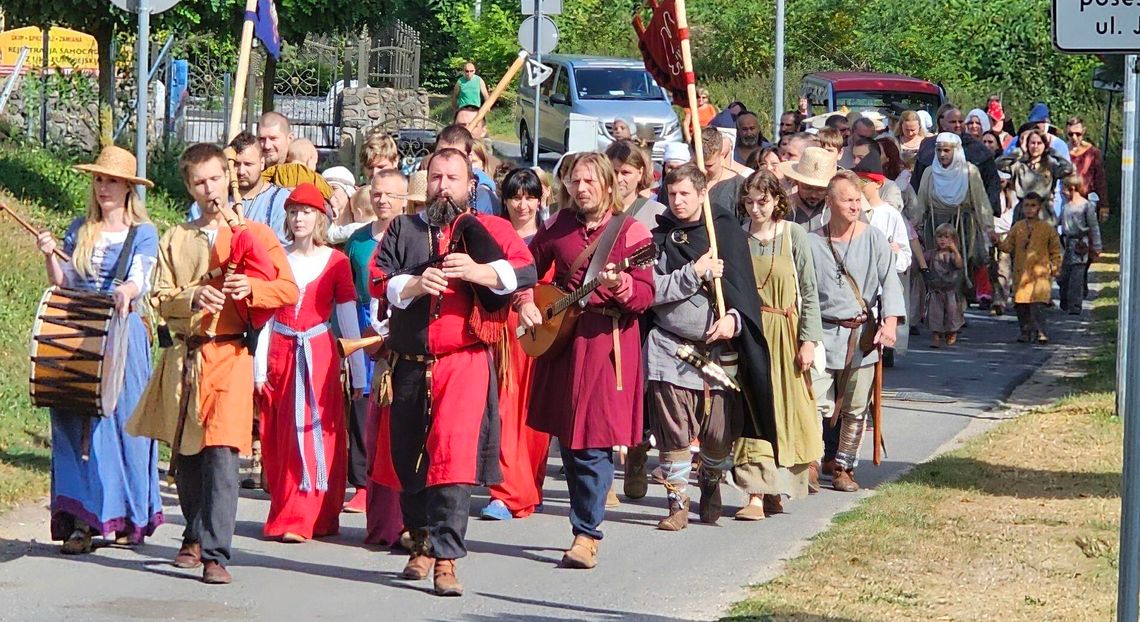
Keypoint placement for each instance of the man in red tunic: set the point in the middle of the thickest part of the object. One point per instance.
(441, 434)
(590, 395)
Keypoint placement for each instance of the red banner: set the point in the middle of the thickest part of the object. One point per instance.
(660, 44)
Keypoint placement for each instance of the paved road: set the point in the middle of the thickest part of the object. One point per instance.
(512, 571)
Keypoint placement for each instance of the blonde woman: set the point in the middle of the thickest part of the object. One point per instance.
(910, 132)
(705, 113)
(104, 480)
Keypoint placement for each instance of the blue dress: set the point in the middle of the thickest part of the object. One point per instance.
(114, 491)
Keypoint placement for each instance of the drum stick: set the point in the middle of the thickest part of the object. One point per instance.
(504, 82)
(32, 230)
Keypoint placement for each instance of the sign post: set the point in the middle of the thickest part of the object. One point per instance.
(538, 35)
(1087, 27)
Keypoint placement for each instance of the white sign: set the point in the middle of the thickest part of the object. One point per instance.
(1090, 26)
(536, 72)
(549, 7)
(547, 35)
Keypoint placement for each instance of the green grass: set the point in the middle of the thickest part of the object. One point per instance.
(46, 191)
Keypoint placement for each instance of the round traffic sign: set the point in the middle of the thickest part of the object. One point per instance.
(547, 35)
(155, 6)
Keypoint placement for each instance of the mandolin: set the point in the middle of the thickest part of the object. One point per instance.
(560, 310)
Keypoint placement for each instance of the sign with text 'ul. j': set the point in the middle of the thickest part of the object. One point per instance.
(69, 50)
(1096, 26)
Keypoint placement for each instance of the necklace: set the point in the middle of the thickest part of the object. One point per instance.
(768, 244)
(840, 264)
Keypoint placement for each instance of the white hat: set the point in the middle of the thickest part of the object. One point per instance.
(341, 177)
(677, 152)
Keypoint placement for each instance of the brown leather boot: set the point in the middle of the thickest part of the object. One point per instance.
(213, 573)
(636, 483)
(844, 480)
(710, 507)
(420, 562)
(773, 504)
(583, 553)
(678, 517)
(813, 478)
(189, 556)
(828, 468)
(446, 584)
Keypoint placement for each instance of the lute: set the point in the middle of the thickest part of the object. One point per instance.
(560, 309)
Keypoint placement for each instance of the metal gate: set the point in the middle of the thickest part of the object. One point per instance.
(308, 86)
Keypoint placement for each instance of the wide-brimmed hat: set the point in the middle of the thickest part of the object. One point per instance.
(115, 162)
(815, 168)
(417, 187)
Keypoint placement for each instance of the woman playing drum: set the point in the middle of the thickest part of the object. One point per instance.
(104, 480)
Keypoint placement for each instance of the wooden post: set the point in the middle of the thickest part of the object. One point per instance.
(504, 82)
(242, 69)
(691, 89)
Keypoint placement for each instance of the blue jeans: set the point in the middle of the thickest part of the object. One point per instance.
(589, 475)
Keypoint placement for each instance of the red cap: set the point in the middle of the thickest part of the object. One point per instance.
(995, 111)
(306, 194)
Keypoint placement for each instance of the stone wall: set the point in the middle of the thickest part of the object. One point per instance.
(391, 109)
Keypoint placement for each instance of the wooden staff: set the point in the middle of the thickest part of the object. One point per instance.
(691, 91)
(504, 82)
(32, 230)
(242, 69)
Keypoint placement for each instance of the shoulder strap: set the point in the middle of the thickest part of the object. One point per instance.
(847, 275)
(636, 207)
(123, 263)
(590, 249)
(605, 246)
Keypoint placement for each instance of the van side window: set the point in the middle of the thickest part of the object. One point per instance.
(562, 85)
(548, 86)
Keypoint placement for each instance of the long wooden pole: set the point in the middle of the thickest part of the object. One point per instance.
(504, 82)
(242, 69)
(32, 230)
(698, 148)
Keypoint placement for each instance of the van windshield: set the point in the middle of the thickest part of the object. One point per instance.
(618, 83)
(888, 103)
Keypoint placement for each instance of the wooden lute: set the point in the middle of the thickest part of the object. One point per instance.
(560, 310)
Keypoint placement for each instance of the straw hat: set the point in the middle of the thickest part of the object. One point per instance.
(115, 162)
(417, 187)
(815, 168)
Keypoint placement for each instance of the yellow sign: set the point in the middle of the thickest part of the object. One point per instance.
(69, 50)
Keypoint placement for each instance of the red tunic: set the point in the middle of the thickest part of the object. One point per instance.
(576, 396)
(312, 512)
(461, 444)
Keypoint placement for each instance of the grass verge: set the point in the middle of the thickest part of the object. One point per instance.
(49, 193)
(1021, 524)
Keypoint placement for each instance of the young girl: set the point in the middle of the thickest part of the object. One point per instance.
(945, 304)
(1036, 251)
(1080, 236)
(296, 371)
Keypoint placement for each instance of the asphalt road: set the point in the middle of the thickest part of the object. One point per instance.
(512, 571)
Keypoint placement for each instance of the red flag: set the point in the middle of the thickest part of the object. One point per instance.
(660, 45)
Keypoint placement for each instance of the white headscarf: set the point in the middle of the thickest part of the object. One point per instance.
(985, 118)
(950, 182)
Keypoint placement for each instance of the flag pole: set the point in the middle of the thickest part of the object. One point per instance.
(242, 69)
(698, 148)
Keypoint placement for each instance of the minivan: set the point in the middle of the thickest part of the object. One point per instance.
(890, 94)
(598, 87)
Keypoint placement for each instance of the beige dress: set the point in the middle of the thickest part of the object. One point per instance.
(784, 292)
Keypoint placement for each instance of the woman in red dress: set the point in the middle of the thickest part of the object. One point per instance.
(522, 451)
(297, 373)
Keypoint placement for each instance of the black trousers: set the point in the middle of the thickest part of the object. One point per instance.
(208, 494)
(1031, 317)
(442, 511)
(358, 465)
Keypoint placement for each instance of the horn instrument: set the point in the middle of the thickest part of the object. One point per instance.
(346, 347)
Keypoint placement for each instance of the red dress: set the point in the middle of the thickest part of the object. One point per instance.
(306, 495)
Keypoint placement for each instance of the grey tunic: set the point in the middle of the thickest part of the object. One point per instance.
(682, 313)
(871, 263)
(1079, 223)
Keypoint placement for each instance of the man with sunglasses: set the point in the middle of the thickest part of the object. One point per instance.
(470, 89)
(1089, 164)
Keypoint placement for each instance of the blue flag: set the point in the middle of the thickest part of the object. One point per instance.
(265, 27)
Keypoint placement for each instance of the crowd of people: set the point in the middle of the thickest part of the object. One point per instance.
(744, 345)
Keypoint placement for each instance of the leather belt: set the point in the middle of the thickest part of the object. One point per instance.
(614, 316)
(854, 322)
(194, 342)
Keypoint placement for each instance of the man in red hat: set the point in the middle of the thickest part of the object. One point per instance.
(441, 434)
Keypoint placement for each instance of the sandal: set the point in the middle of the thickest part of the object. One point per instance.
(78, 543)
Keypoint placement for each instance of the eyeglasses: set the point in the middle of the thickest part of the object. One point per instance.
(1076, 134)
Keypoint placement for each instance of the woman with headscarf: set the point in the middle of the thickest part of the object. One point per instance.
(977, 123)
(951, 191)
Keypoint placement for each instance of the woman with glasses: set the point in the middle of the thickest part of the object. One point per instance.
(1089, 164)
(705, 113)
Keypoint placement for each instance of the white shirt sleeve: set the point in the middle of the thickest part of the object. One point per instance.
(141, 271)
(261, 353)
(396, 285)
(380, 325)
(507, 276)
(902, 238)
(350, 329)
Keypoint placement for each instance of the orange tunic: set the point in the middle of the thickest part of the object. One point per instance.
(222, 372)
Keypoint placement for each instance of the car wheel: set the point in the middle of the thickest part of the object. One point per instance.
(526, 143)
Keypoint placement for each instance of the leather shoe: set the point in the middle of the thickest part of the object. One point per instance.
(189, 556)
(582, 554)
(828, 467)
(773, 504)
(750, 513)
(813, 478)
(418, 567)
(446, 584)
(636, 483)
(213, 573)
(844, 481)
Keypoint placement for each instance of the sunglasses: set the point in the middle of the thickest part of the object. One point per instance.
(1076, 134)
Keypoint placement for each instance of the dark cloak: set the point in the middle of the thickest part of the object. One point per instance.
(739, 285)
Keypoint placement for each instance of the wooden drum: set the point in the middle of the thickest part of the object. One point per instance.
(70, 339)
